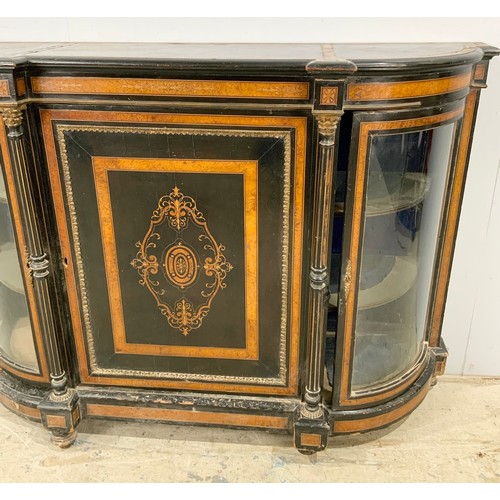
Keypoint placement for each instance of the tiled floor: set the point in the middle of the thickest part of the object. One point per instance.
(454, 436)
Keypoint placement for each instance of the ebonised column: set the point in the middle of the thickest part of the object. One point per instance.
(59, 410)
(311, 427)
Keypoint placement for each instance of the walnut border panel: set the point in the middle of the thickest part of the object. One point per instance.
(170, 88)
(389, 91)
(249, 169)
(378, 421)
(187, 416)
(20, 409)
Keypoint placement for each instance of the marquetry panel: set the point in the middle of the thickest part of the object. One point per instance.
(480, 71)
(329, 96)
(307, 439)
(202, 256)
(193, 279)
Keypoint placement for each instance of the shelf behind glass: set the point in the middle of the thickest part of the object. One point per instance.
(401, 276)
(411, 190)
(406, 179)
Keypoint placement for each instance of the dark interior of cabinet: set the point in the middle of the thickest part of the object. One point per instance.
(344, 142)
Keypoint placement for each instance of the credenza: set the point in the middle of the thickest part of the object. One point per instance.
(242, 235)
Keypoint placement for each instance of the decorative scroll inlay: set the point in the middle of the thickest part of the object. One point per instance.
(181, 264)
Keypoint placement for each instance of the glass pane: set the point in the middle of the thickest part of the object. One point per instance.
(405, 191)
(16, 338)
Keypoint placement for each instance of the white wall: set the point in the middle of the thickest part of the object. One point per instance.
(472, 319)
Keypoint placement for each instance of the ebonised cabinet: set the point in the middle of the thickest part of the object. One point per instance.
(252, 236)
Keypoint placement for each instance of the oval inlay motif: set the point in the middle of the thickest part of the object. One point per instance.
(181, 265)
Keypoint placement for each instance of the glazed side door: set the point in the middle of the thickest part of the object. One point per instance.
(400, 187)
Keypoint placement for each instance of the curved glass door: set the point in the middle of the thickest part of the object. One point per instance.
(397, 194)
(16, 338)
(404, 197)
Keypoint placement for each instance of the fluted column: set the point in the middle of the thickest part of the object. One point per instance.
(312, 427)
(61, 401)
(320, 255)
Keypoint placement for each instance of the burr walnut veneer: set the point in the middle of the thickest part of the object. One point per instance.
(253, 236)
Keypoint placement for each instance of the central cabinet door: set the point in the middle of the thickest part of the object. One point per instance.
(182, 236)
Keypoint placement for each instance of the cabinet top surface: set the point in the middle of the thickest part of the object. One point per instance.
(292, 55)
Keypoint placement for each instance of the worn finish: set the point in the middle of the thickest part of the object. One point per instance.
(200, 417)
(189, 248)
(459, 413)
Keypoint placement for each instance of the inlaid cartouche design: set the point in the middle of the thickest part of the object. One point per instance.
(180, 263)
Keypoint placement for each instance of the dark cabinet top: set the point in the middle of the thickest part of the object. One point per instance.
(308, 57)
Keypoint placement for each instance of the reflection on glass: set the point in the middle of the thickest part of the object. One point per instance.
(404, 196)
(16, 338)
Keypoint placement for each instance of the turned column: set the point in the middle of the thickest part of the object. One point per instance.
(311, 426)
(59, 410)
